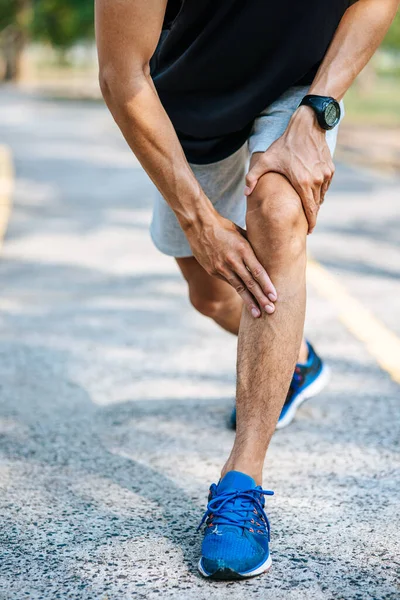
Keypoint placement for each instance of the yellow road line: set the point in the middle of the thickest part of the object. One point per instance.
(6, 188)
(380, 342)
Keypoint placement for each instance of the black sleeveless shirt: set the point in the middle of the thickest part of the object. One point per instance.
(219, 63)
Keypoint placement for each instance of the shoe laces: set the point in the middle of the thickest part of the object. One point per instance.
(235, 507)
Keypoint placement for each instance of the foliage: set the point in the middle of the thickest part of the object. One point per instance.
(8, 13)
(62, 23)
(14, 13)
(392, 39)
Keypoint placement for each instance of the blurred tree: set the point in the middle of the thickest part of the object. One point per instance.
(62, 23)
(392, 39)
(58, 22)
(15, 18)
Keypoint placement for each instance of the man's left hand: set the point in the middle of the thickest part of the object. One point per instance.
(302, 155)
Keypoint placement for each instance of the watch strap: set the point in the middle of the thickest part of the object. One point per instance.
(319, 104)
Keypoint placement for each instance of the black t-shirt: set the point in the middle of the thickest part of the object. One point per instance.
(219, 63)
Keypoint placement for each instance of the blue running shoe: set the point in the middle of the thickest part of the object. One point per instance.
(236, 539)
(308, 380)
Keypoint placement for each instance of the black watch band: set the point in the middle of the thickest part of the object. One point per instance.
(326, 108)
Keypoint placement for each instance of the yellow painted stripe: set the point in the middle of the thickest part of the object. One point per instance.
(380, 342)
(6, 188)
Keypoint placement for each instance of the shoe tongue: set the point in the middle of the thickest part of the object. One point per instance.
(234, 480)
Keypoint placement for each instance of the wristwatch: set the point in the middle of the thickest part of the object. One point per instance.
(326, 108)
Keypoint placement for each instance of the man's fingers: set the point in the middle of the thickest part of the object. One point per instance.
(328, 179)
(261, 276)
(317, 195)
(254, 288)
(258, 169)
(312, 221)
(310, 207)
(324, 189)
(245, 295)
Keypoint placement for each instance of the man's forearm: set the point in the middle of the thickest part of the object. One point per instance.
(127, 33)
(146, 127)
(359, 34)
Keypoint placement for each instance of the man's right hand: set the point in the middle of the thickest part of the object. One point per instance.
(127, 33)
(224, 252)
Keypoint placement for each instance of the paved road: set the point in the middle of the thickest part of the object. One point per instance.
(115, 394)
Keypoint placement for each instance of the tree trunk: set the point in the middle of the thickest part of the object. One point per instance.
(13, 39)
(13, 45)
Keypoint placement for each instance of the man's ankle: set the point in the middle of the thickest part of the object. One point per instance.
(246, 467)
(303, 354)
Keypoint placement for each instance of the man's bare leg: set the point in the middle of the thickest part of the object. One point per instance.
(210, 296)
(216, 299)
(268, 346)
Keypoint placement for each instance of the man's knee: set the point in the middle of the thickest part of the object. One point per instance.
(275, 216)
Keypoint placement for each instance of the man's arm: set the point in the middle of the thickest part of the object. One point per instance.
(127, 32)
(302, 154)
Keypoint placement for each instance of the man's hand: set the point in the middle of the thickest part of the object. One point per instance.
(302, 155)
(224, 252)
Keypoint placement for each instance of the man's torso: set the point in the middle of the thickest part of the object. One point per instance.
(219, 64)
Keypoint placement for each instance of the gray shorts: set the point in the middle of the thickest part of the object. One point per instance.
(223, 182)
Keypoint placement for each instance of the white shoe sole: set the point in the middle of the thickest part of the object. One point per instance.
(261, 569)
(312, 390)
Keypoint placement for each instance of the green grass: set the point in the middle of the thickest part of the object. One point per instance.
(378, 106)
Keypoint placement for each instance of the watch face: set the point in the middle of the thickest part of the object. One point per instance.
(332, 114)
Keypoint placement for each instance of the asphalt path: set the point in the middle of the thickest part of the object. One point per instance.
(115, 394)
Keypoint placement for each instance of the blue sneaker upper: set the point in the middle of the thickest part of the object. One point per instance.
(237, 529)
(304, 375)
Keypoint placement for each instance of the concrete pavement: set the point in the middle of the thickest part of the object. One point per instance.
(115, 394)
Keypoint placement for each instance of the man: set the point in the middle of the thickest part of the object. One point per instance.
(196, 88)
